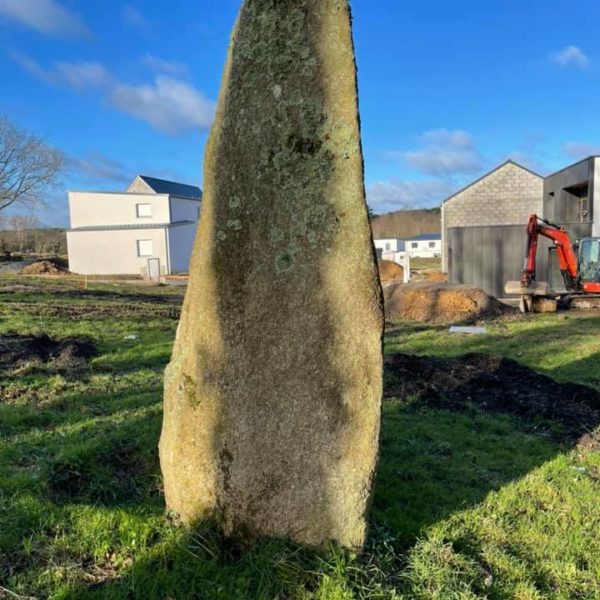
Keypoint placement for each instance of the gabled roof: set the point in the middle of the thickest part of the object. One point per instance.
(161, 186)
(508, 162)
(426, 237)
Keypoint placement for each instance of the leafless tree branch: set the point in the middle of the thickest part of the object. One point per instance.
(28, 166)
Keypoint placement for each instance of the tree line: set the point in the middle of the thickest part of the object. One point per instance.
(405, 224)
(24, 234)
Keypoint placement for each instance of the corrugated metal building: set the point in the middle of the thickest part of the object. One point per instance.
(483, 225)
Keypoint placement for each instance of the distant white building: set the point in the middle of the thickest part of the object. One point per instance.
(388, 245)
(428, 245)
(148, 230)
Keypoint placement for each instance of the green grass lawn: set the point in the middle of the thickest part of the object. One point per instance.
(426, 263)
(467, 504)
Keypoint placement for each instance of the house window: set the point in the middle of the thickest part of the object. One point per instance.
(432, 244)
(414, 245)
(144, 248)
(388, 246)
(143, 210)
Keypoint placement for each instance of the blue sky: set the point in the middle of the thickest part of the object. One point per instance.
(447, 89)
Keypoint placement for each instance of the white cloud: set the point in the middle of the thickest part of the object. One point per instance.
(99, 167)
(168, 104)
(168, 67)
(386, 196)
(571, 56)
(83, 75)
(30, 65)
(445, 153)
(78, 75)
(580, 150)
(45, 16)
(135, 18)
(446, 157)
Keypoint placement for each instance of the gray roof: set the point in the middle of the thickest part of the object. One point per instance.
(160, 186)
(426, 237)
(122, 227)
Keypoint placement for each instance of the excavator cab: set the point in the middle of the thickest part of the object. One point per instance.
(589, 262)
(579, 265)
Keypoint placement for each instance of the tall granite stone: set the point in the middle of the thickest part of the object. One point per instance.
(273, 394)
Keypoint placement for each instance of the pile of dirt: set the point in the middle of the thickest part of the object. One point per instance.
(390, 272)
(66, 354)
(499, 385)
(43, 267)
(435, 277)
(442, 303)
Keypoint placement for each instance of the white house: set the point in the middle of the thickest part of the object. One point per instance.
(148, 230)
(388, 245)
(428, 245)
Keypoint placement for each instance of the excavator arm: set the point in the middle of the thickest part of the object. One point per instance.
(564, 248)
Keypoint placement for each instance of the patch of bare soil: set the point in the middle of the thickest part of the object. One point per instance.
(499, 385)
(43, 267)
(66, 354)
(441, 303)
(435, 277)
(390, 272)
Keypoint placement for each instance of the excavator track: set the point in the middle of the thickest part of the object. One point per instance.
(582, 301)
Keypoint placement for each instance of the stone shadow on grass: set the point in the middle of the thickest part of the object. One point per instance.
(434, 462)
(436, 459)
(456, 429)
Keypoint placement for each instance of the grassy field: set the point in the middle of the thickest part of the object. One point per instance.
(426, 263)
(467, 504)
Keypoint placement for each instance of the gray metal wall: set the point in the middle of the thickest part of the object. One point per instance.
(486, 257)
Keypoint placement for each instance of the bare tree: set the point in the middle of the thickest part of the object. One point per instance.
(23, 226)
(27, 166)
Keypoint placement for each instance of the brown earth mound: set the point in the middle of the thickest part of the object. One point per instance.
(436, 277)
(501, 385)
(390, 271)
(43, 267)
(432, 302)
(68, 353)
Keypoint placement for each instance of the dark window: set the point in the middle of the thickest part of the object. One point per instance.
(575, 204)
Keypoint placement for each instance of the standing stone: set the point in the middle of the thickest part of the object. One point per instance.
(273, 395)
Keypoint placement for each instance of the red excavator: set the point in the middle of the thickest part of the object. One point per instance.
(579, 265)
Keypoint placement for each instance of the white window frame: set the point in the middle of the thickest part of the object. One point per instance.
(142, 214)
(414, 245)
(432, 244)
(141, 252)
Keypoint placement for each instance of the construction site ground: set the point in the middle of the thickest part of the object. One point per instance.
(487, 486)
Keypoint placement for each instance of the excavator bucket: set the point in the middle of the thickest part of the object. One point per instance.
(536, 297)
(537, 288)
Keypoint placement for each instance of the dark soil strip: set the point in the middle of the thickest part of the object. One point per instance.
(499, 385)
(88, 311)
(67, 354)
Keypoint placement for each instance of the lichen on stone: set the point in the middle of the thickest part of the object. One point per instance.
(234, 224)
(284, 263)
